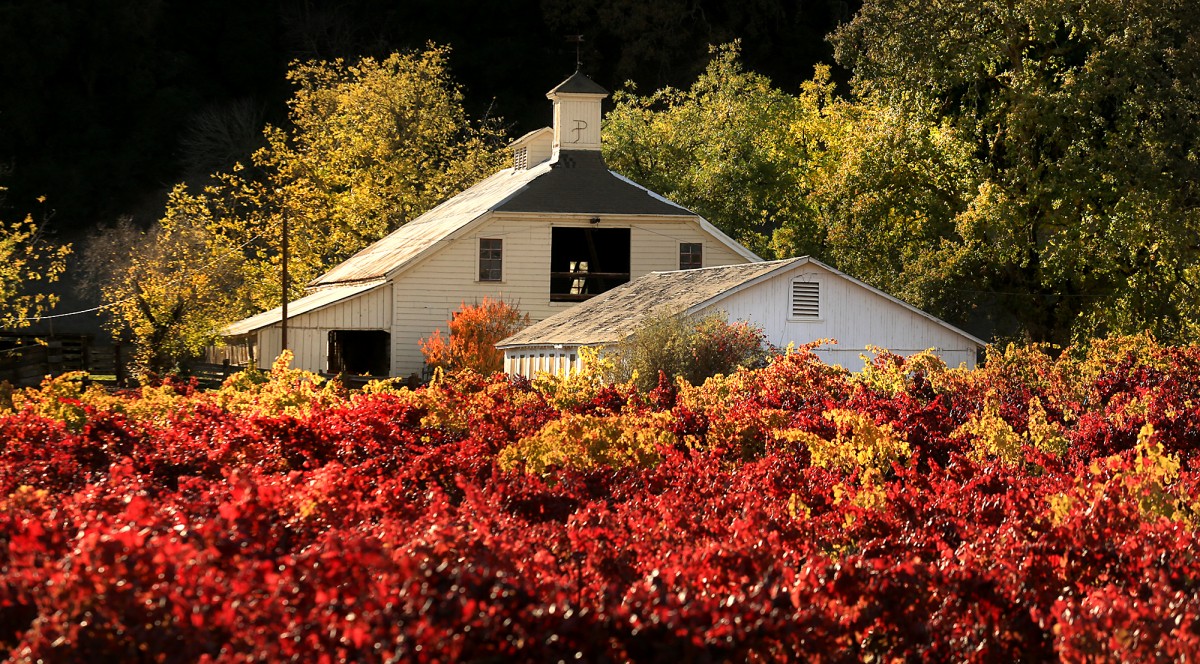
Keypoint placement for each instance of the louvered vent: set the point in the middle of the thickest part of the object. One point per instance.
(806, 299)
(520, 159)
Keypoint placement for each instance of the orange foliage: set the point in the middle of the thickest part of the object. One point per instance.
(474, 331)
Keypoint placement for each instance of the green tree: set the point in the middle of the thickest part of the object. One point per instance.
(732, 148)
(888, 190)
(1081, 117)
(678, 345)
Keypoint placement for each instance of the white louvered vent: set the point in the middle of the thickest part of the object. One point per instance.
(520, 159)
(806, 299)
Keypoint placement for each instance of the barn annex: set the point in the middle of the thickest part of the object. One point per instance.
(798, 300)
(554, 230)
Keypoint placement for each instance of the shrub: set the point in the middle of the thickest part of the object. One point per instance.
(681, 346)
(474, 331)
(587, 441)
(790, 513)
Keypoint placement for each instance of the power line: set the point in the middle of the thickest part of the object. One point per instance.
(36, 319)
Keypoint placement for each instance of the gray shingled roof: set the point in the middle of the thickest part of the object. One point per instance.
(579, 182)
(614, 315)
(415, 237)
(579, 84)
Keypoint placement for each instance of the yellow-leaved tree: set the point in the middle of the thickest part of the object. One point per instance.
(372, 145)
(25, 257)
(369, 146)
(163, 287)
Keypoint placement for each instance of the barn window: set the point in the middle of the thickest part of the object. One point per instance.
(587, 261)
(691, 255)
(806, 300)
(491, 259)
(360, 352)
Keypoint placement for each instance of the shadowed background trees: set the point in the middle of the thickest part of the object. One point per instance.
(100, 102)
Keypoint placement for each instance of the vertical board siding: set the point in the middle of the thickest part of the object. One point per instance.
(565, 114)
(532, 360)
(850, 314)
(308, 333)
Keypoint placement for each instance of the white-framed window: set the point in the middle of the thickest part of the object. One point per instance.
(521, 159)
(691, 255)
(805, 299)
(491, 259)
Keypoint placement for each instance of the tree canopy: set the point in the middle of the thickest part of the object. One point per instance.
(1024, 168)
(732, 148)
(370, 145)
(164, 288)
(1081, 118)
(1029, 167)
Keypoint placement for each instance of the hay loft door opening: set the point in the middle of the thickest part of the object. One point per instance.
(360, 352)
(587, 261)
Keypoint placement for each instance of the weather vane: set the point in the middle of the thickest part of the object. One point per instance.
(578, 40)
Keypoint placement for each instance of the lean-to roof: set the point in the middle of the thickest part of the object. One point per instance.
(615, 314)
(310, 302)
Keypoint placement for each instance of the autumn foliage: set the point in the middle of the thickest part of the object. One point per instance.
(1038, 508)
(474, 331)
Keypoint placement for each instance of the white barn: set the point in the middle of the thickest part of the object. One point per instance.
(798, 300)
(550, 232)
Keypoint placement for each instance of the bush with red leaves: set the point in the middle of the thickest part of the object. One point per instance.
(380, 527)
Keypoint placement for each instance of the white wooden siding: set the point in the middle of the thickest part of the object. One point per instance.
(655, 247)
(566, 112)
(850, 314)
(308, 334)
(532, 360)
(426, 294)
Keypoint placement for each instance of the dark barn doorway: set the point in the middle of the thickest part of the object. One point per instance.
(360, 352)
(587, 261)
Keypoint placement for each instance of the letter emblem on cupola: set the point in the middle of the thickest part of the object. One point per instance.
(580, 125)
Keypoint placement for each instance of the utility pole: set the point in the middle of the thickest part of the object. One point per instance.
(283, 341)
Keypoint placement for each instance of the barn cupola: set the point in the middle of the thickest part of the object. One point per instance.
(577, 113)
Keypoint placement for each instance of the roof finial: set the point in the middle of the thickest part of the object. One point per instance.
(578, 40)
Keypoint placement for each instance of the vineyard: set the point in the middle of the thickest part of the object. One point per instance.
(1039, 508)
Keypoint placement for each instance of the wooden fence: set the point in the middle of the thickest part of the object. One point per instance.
(26, 360)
